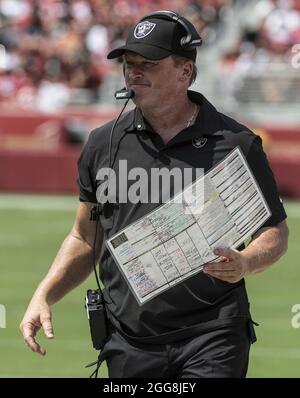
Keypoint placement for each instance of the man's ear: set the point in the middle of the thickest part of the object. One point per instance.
(187, 70)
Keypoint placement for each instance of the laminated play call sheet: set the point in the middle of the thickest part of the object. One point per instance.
(173, 242)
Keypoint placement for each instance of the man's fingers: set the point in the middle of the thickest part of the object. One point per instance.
(231, 254)
(221, 267)
(231, 270)
(224, 277)
(38, 316)
(29, 331)
(47, 327)
(34, 346)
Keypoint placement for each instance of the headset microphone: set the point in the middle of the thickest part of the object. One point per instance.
(124, 94)
(96, 304)
(106, 208)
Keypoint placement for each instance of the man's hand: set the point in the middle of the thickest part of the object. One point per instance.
(38, 315)
(267, 246)
(71, 266)
(232, 268)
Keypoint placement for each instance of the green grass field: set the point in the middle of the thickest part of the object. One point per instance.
(32, 228)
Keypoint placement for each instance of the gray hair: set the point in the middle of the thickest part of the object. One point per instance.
(178, 61)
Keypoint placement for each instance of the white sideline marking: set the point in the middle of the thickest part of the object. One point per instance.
(273, 352)
(35, 202)
(74, 345)
(292, 209)
(69, 203)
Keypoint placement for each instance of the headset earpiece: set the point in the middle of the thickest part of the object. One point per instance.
(185, 41)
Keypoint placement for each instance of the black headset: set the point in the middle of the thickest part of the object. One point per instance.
(188, 42)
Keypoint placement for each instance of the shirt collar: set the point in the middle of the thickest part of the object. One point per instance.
(138, 123)
(207, 122)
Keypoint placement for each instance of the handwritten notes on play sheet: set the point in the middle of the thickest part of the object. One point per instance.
(173, 242)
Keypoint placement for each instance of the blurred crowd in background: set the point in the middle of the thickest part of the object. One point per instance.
(56, 49)
(267, 37)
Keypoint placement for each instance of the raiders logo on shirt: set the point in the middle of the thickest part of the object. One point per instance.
(199, 142)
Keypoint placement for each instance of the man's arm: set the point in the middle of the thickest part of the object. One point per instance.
(266, 247)
(72, 265)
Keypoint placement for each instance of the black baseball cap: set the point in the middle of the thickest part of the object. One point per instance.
(155, 38)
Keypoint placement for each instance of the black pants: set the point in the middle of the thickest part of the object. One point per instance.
(220, 353)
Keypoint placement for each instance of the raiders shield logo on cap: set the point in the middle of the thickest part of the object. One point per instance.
(199, 142)
(143, 29)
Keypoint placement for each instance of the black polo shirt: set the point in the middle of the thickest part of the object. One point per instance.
(201, 302)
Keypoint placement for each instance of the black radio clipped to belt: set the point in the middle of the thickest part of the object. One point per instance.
(97, 316)
(94, 299)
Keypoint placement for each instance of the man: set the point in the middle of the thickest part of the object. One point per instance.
(201, 327)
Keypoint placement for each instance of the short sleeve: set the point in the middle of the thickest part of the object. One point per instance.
(263, 174)
(85, 180)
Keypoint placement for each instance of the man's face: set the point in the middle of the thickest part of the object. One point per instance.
(152, 81)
